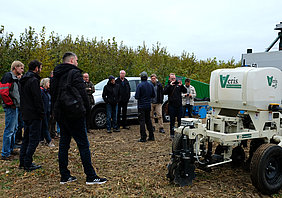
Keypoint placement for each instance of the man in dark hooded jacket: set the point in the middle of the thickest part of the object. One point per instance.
(32, 113)
(69, 128)
(144, 94)
(111, 96)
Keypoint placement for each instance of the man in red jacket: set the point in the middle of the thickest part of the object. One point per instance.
(9, 92)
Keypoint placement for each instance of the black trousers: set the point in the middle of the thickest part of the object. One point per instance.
(122, 108)
(30, 142)
(75, 129)
(174, 112)
(144, 117)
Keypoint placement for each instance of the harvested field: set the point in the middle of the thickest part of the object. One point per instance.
(133, 170)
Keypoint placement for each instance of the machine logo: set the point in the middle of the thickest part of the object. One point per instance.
(272, 82)
(225, 82)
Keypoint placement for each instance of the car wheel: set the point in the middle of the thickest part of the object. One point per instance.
(166, 117)
(99, 118)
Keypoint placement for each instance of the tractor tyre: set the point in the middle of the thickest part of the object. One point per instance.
(266, 168)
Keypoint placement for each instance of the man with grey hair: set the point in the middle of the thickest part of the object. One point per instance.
(90, 89)
(70, 127)
(9, 92)
(124, 98)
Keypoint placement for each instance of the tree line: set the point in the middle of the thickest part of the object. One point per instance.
(101, 58)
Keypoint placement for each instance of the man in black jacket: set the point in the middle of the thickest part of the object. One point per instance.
(69, 128)
(111, 96)
(124, 98)
(174, 90)
(32, 113)
(157, 102)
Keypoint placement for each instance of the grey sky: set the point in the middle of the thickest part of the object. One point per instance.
(208, 28)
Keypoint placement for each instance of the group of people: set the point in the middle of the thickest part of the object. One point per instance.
(36, 101)
(150, 96)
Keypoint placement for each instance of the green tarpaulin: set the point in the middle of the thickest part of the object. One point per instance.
(202, 89)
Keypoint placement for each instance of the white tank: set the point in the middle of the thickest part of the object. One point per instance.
(245, 88)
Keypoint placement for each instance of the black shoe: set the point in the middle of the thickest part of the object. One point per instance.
(21, 166)
(154, 129)
(126, 127)
(96, 180)
(162, 130)
(32, 167)
(142, 140)
(7, 158)
(70, 179)
(109, 131)
(116, 130)
(151, 139)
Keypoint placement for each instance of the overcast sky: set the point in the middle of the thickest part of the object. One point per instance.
(208, 28)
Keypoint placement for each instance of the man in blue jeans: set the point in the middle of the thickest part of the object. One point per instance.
(9, 91)
(69, 127)
(32, 114)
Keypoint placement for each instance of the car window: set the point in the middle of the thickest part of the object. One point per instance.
(101, 85)
(132, 84)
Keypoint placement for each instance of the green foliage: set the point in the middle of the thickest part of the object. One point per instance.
(102, 58)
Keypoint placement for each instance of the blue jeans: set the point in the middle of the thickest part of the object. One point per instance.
(45, 134)
(174, 112)
(11, 123)
(75, 129)
(111, 113)
(30, 141)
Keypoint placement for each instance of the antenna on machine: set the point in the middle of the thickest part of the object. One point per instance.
(278, 27)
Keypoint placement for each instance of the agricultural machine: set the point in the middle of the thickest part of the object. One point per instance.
(246, 108)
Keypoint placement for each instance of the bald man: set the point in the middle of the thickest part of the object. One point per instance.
(90, 89)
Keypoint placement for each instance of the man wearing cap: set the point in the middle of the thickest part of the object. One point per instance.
(111, 96)
(144, 94)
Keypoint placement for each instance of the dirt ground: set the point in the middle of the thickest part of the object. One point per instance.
(133, 170)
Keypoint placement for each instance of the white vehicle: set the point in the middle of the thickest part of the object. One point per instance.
(98, 111)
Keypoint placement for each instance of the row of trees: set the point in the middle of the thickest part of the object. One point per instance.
(102, 58)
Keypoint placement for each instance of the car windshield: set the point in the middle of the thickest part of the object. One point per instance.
(101, 85)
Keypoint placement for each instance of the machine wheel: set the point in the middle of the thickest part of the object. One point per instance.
(266, 168)
(176, 173)
(99, 118)
(238, 156)
(177, 142)
(171, 170)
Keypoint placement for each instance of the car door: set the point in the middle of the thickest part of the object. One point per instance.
(132, 104)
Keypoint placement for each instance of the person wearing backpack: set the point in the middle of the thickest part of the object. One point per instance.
(67, 80)
(32, 113)
(9, 92)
